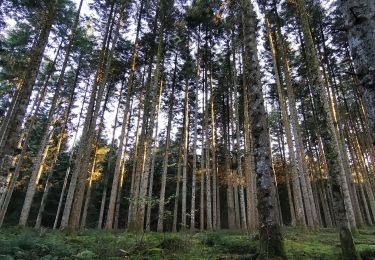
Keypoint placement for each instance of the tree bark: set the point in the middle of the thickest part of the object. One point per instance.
(11, 125)
(185, 156)
(297, 195)
(161, 216)
(13, 176)
(342, 203)
(110, 160)
(73, 205)
(207, 154)
(195, 140)
(202, 186)
(270, 238)
(70, 161)
(360, 24)
(152, 171)
(61, 138)
(123, 138)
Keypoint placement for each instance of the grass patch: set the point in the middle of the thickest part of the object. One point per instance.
(27, 243)
(175, 244)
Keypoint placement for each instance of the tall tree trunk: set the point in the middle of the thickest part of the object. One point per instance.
(144, 171)
(94, 161)
(228, 172)
(207, 154)
(215, 215)
(44, 146)
(238, 138)
(248, 160)
(201, 204)
(61, 138)
(297, 195)
(73, 205)
(342, 204)
(70, 161)
(302, 166)
(141, 179)
(25, 136)
(123, 138)
(160, 226)
(270, 238)
(110, 160)
(360, 24)
(11, 125)
(357, 170)
(337, 121)
(137, 139)
(231, 149)
(177, 195)
(43, 202)
(88, 193)
(13, 176)
(195, 140)
(89, 121)
(39, 161)
(152, 171)
(123, 168)
(363, 169)
(185, 156)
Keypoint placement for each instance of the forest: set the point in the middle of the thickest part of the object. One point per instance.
(187, 129)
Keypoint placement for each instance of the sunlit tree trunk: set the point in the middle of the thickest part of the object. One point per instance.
(123, 137)
(39, 161)
(342, 203)
(13, 176)
(24, 140)
(331, 88)
(359, 178)
(88, 193)
(70, 161)
(297, 195)
(85, 152)
(363, 170)
(94, 161)
(72, 211)
(41, 157)
(10, 129)
(61, 138)
(110, 159)
(157, 87)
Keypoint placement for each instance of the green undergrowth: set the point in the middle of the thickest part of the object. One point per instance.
(27, 243)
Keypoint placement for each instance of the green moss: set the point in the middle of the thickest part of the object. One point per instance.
(16, 243)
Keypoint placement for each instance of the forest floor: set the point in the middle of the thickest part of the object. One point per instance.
(20, 243)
